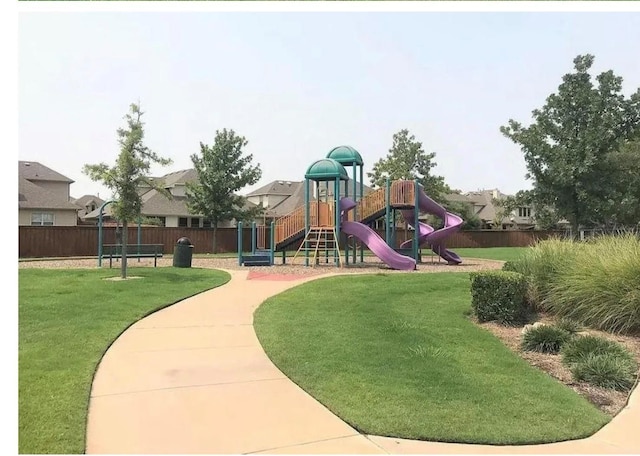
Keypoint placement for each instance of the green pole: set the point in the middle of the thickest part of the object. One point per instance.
(346, 244)
(306, 218)
(253, 238)
(393, 228)
(100, 231)
(139, 236)
(416, 227)
(337, 216)
(355, 209)
(361, 196)
(387, 215)
(239, 243)
(272, 244)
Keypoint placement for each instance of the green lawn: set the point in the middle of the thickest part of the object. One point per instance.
(67, 319)
(397, 355)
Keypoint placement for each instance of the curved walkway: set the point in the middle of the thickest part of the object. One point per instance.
(193, 378)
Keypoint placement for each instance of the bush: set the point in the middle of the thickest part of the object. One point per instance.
(582, 347)
(510, 266)
(601, 286)
(540, 265)
(568, 325)
(499, 296)
(606, 370)
(545, 339)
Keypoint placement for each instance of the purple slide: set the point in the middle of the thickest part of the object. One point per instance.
(372, 240)
(452, 223)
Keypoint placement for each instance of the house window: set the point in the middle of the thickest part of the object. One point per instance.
(182, 221)
(524, 212)
(195, 222)
(206, 223)
(41, 219)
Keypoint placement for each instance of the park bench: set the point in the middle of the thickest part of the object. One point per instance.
(154, 251)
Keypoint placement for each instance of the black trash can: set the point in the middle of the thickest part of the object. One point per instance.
(182, 253)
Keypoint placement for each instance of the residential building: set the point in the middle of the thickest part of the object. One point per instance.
(492, 216)
(87, 204)
(170, 212)
(43, 197)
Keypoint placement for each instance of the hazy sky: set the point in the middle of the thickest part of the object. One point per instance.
(298, 84)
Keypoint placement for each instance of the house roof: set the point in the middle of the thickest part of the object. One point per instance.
(277, 187)
(154, 203)
(31, 196)
(458, 197)
(35, 171)
(84, 200)
(289, 204)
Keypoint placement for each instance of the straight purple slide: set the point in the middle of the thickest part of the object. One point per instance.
(378, 246)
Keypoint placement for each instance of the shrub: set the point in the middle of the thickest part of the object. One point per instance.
(545, 339)
(601, 286)
(568, 325)
(606, 370)
(510, 266)
(499, 295)
(540, 264)
(580, 348)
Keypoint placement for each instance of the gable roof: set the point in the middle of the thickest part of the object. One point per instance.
(35, 171)
(31, 196)
(86, 199)
(277, 187)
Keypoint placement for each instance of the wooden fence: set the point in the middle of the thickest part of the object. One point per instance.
(69, 241)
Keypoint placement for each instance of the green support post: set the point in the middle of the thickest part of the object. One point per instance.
(346, 243)
(306, 219)
(361, 196)
(416, 227)
(253, 238)
(387, 215)
(393, 228)
(337, 204)
(272, 243)
(239, 243)
(139, 237)
(100, 230)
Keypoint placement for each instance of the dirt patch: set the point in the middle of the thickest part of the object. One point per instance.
(609, 401)
(116, 279)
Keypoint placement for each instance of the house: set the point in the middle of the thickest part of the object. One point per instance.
(491, 215)
(43, 197)
(169, 212)
(87, 204)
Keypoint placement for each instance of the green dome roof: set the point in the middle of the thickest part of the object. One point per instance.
(346, 155)
(326, 169)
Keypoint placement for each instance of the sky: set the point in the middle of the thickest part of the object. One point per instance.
(295, 85)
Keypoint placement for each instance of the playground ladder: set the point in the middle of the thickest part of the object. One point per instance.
(318, 239)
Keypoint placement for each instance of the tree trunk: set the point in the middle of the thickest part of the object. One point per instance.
(215, 237)
(123, 263)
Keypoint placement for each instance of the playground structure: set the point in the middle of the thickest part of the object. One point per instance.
(317, 225)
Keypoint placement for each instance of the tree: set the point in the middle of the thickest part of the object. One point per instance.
(407, 160)
(129, 172)
(571, 147)
(222, 170)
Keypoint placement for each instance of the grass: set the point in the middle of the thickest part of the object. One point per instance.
(396, 355)
(600, 287)
(606, 370)
(580, 348)
(545, 339)
(67, 319)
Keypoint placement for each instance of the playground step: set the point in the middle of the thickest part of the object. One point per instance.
(256, 260)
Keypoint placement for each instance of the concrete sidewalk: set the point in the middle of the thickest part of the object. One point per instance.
(193, 378)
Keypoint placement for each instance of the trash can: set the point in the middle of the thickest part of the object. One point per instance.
(182, 253)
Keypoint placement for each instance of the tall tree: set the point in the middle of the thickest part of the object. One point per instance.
(130, 171)
(570, 146)
(407, 160)
(222, 171)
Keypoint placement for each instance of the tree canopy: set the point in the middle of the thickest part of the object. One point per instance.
(577, 147)
(222, 171)
(408, 160)
(128, 174)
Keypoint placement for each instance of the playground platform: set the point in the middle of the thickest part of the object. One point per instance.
(193, 378)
